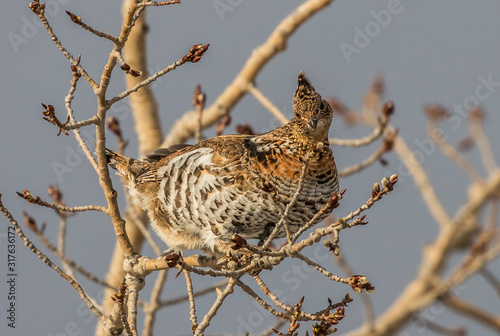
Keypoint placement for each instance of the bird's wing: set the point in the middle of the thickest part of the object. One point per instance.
(218, 152)
(164, 152)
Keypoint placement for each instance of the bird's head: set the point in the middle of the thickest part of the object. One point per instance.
(312, 114)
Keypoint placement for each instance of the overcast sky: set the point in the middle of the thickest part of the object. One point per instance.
(444, 52)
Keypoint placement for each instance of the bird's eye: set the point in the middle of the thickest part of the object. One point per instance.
(322, 106)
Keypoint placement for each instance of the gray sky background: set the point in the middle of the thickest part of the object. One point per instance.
(428, 52)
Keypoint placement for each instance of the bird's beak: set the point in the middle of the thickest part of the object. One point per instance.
(313, 122)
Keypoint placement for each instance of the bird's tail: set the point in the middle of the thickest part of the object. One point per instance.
(119, 162)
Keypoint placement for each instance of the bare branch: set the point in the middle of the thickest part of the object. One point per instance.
(438, 329)
(36, 200)
(357, 282)
(134, 286)
(199, 99)
(270, 294)
(259, 300)
(78, 20)
(275, 111)
(74, 125)
(190, 57)
(215, 307)
(159, 3)
(483, 144)
(192, 307)
(385, 147)
(383, 121)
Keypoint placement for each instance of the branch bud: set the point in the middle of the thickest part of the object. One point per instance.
(375, 189)
(388, 109)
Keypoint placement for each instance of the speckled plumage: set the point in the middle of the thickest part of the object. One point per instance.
(199, 196)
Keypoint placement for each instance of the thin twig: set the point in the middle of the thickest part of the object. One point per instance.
(74, 125)
(192, 306)
(275, 111)
(270, 294)
(215, 307)
(259, 300)
(159, 3)
(351, 170)
(61, 240)
(358, 142)
(36, 200)
(482, 141)
(77, 20)
(77, 125)
(322, 270)
(377, 133)
(348, 171)
(301, 316)
(40, 12)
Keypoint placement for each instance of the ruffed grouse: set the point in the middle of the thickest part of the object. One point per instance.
(199, 196)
